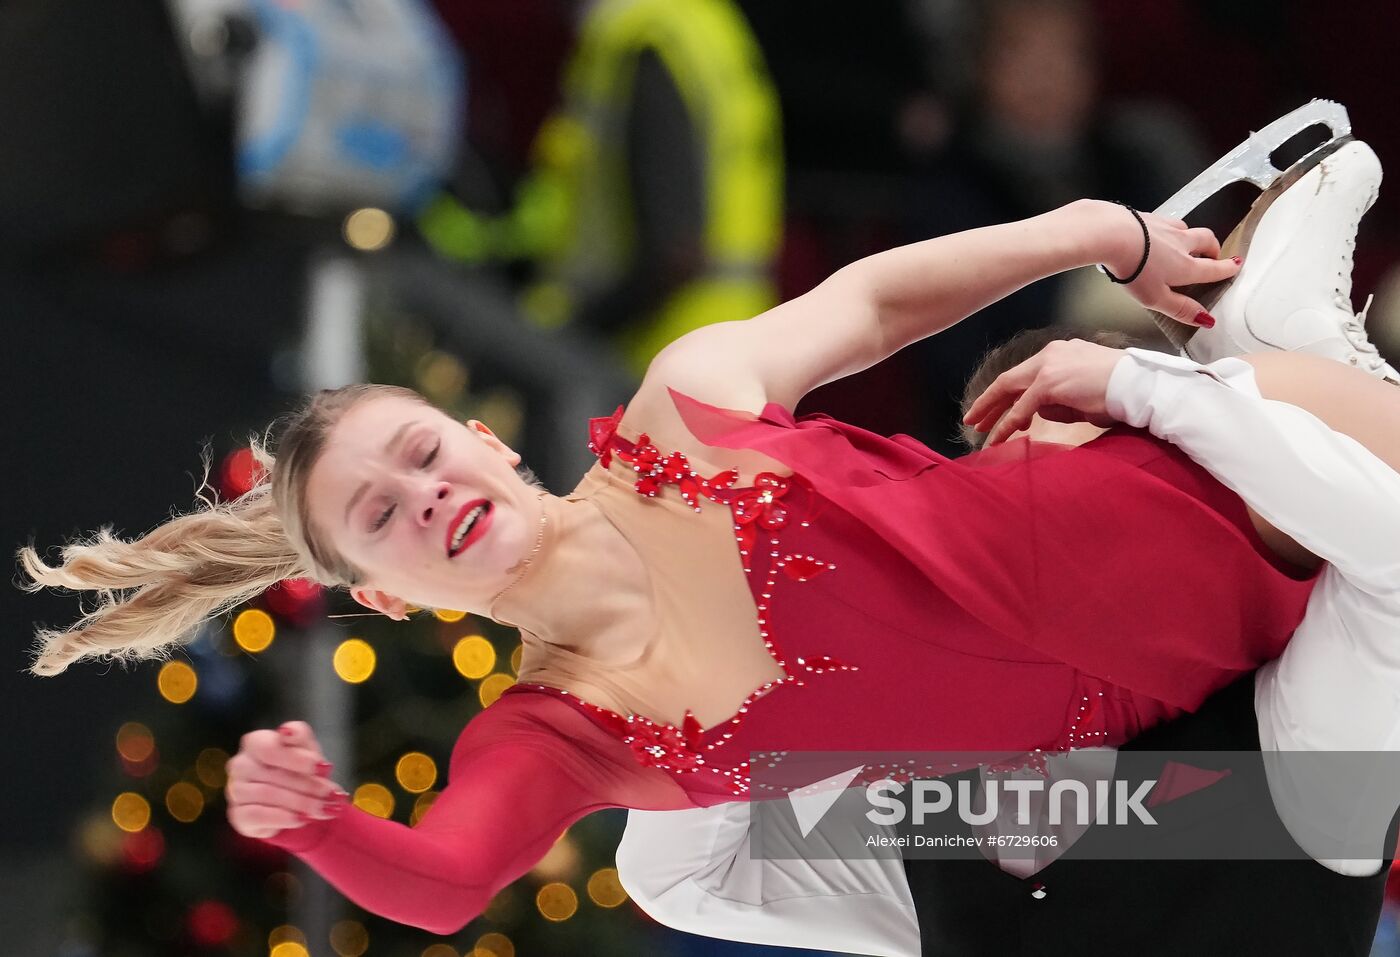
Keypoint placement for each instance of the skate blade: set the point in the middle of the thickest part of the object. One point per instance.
(1250, 162)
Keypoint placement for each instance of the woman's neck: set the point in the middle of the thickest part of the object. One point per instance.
(584, 590)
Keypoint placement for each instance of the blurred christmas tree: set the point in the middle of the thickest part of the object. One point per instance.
(169, 876)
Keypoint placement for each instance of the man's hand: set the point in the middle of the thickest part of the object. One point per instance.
(1064, 382)
(277, 780)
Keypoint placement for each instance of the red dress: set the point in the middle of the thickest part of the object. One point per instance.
(1028, 597)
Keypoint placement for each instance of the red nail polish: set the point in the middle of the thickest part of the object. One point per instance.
(323, 768)
(285, 732)
(329, 808)
(1237, 260)
(1205, 320)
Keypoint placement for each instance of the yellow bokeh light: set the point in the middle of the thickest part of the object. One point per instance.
(415, 772)
(494, 945)
(605, 889)
(374, 798)
(184, 801)
(492, 687)
(177, 682)
(209, 767)
(349, 938)
(443, 378)
(420, 807)
(369, 229)
(135, 742)
(99, 840)
(515, 657)
(448, 615)
(473, 656)
(560, 862)
(354, 660)
(556, 901)
(285, 933)
(439, 950)
(288, 948)
(253, 629)
(130, 811)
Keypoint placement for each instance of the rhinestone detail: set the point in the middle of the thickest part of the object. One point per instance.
(757, 510)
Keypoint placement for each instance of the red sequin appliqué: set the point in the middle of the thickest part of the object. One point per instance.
(757, 510)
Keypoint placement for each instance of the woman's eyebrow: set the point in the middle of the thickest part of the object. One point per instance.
(389, 447)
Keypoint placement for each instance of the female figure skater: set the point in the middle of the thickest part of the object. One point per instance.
(882, 597)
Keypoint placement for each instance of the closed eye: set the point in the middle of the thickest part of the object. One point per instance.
(384, 518)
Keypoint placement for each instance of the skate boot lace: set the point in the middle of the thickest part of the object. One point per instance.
(1355, 331)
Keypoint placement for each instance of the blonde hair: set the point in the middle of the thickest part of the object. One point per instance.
(154, 592)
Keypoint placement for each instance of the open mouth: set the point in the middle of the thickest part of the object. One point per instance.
(470, 524)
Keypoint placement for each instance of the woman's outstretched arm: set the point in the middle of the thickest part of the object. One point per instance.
(876, 306)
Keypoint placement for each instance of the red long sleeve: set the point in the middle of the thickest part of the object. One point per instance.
(521, 772)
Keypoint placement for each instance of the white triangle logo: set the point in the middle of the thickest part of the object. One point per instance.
(812, 802)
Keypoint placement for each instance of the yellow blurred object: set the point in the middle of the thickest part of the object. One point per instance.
(209, 767)
(285, 933)
(354, 660)
(415, 772)
(130, 812)
(253, 629)
(349, 938)
(184, 801)
(473, 657)
(375, 799)
(495, 945)
(448, 615)
(177, 682)
(288, 948)
(421, 806)
(492, 687)
(556, 901)
(369, 229)
(605, 889)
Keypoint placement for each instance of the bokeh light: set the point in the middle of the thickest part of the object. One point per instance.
(556, 901)
(473, 656)
(420, 807)
(415, 772)
(177, 682)
(492, 687)
(494, 945)
(253, 629)
(209, 767)
(439, 950)
(354, 660)
(349, 938)
(515, 657)
(448, 615)
(442, 378)
(184, 801)
(130, 811)
(375, 799)
(605, 888)
(289, 948)
(368, 229)
(135, 742)
(285, 933)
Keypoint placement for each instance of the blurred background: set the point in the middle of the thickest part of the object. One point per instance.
(210, 207)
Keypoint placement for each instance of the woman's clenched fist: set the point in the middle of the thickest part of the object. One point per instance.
(278, 780)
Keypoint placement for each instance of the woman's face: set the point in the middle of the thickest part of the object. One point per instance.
(391, 489)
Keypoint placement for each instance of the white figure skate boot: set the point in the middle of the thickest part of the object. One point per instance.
(1297, 240)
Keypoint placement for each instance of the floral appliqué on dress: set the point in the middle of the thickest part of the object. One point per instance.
(760, 510)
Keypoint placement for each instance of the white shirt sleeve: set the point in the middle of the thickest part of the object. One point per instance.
(1336, 688)
(692, 870)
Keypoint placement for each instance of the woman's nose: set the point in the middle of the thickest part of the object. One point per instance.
(437, 498)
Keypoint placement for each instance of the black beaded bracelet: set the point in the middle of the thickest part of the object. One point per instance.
(1146, 248)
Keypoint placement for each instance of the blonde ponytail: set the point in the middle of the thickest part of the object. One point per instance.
(155, 592)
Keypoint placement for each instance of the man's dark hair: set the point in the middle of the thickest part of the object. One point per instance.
(1018, 349)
